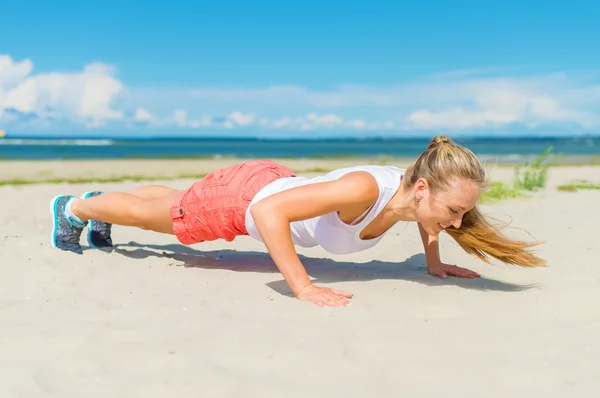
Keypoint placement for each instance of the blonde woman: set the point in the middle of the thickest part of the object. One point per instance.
(344, 211)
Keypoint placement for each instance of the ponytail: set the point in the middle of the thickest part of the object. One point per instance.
(477, 236)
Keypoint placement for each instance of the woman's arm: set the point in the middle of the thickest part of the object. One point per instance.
(434, 263)
(431, 247)
(273, 215)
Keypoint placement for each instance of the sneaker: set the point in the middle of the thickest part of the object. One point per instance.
(65, 231)
(99, 231)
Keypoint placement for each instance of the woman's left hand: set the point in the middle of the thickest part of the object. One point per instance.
(443, 270)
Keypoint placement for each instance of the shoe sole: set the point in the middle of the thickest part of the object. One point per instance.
(90, 223)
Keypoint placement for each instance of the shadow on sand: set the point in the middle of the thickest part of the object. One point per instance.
(322, 270)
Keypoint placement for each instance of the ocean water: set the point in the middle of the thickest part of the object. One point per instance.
(496, 149)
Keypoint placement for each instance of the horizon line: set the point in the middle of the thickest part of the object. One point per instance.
(297, 138)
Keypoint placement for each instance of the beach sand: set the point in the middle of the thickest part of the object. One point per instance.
(157, 319)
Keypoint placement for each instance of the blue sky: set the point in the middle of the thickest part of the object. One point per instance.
(300, 68)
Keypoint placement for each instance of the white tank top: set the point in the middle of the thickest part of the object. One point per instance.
(328, 230)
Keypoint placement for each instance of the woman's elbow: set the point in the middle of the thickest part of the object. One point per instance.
(257, 210)
(260, 210)
(266, 218)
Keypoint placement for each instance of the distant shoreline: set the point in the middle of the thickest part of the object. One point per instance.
(422, 138)
(510, 160)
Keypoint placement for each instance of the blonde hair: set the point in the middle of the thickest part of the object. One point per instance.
(445, 161)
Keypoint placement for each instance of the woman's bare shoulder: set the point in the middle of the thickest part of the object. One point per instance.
(362, 183)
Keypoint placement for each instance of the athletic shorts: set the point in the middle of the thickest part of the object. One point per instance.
(215, 207)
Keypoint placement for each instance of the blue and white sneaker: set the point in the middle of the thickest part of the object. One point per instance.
(99, 231)
(66, 231)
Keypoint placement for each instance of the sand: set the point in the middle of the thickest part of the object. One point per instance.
(155, 319)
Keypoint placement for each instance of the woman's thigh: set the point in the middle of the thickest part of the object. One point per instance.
(155, 214)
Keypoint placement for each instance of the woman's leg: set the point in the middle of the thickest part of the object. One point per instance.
(120, 208)
(99, 232)
(148, 209)
(151, 191)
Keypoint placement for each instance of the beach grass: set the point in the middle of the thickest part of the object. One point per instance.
(530, 177)
(497, 191)
(577, 185)
(99, 180)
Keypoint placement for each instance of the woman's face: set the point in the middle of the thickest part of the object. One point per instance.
(439, 210)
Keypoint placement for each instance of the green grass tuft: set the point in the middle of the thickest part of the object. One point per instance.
(499, 191)
(535, 175)
(528, 178)
(99, 180)
(317, 170)
(577, 185)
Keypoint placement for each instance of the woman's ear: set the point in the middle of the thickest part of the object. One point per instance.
(421, 188)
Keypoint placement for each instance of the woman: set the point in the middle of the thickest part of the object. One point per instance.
(344, 211)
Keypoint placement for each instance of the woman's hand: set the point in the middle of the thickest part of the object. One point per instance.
(324, 296)
(443, 270)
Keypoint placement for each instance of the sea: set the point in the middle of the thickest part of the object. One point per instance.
(511, 150)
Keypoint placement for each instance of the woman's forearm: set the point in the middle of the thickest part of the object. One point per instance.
(275, 233)
(431, 247)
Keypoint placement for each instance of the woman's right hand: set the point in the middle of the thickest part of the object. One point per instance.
(324, 296)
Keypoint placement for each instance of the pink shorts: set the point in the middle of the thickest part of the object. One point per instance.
(215, 207)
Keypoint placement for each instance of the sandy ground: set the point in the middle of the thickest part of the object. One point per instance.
(157, 319)
(168, 168)
(159, 168)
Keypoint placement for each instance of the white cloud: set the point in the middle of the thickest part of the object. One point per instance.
(142, 115)
(181, 119)
(328, 121)
(494, 103)
(458, 118)
(241, 119)
(204, 122)
(84, 96)
(457, 100)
